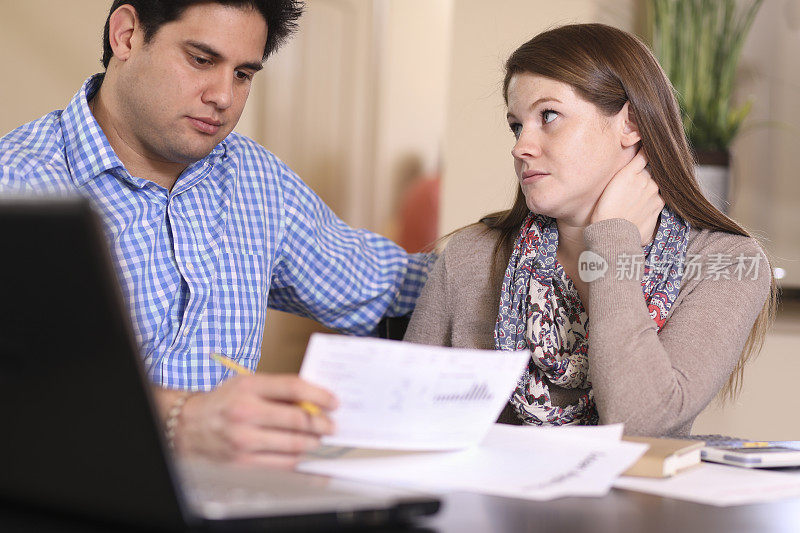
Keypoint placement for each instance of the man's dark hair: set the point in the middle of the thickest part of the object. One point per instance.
(281, 17)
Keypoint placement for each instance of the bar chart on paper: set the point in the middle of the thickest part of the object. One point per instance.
(472, 392)
(400, 395)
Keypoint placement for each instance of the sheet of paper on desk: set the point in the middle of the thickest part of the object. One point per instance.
(520, 462)
(399, 395)
(721, 485)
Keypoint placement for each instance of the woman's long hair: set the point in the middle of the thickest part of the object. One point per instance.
(608, 67)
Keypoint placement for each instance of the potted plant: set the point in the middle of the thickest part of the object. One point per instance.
(698, 43)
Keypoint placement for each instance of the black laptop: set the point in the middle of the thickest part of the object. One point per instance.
(80, 434)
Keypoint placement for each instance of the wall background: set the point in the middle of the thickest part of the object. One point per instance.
(368, 85)
(47, 49)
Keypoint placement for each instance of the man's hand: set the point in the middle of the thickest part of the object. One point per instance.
(633, 195)
(252, 420)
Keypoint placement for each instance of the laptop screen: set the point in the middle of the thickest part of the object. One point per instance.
(79, 429)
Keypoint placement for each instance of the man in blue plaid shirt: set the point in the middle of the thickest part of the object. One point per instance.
(208, 228)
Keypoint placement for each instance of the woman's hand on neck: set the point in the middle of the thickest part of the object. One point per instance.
(631, 195)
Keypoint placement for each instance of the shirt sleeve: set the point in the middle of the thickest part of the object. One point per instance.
(657, 382)
(345, 278)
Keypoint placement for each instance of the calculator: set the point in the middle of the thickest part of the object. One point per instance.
(753, 455)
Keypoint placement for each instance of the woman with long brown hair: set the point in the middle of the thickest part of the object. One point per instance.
(608, 229)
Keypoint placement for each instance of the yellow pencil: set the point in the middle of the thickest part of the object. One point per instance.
(230, 363)
(306, 406)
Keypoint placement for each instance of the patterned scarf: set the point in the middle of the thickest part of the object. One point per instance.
(540, 310)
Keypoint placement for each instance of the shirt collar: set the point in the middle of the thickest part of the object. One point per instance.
(90, 154)
(88, 151)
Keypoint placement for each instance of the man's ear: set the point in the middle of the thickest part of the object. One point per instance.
(123, 25)
(630, 129)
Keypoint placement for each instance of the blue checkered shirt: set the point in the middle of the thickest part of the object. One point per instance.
(200, 264)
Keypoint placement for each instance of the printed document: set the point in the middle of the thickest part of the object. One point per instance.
(405, 396)
(516, 461)
(722, 485)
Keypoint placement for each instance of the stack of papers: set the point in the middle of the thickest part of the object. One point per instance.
(441, 403)
(721, 485)
(514, 461)
(405, 396)
(422, 417)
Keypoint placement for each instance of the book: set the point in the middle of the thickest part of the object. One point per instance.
(665, 457)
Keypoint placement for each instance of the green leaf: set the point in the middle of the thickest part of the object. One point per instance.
(698, 43)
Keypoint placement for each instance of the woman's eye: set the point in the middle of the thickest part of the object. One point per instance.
(516, 129)
(548, 116)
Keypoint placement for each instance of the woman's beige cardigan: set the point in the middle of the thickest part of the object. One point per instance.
(655, 383)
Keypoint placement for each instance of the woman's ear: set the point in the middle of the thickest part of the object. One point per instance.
(630, 129)
(121, 29)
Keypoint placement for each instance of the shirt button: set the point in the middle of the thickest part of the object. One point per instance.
(189, 267)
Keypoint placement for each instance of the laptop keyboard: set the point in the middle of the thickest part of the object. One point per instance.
(222, 491)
